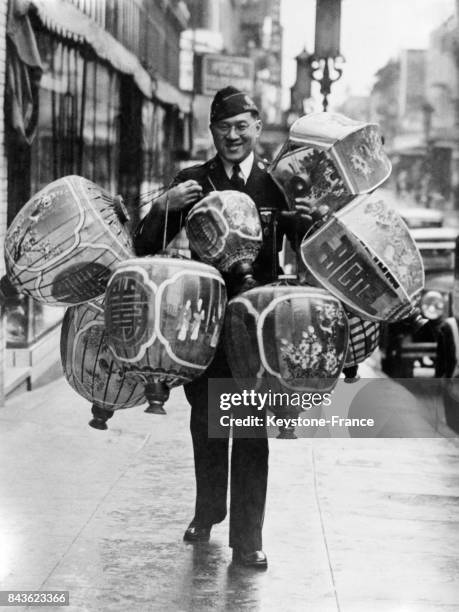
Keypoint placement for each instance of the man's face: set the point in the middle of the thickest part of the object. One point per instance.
(235, 137)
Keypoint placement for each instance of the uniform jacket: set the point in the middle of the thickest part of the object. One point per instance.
(211, 175)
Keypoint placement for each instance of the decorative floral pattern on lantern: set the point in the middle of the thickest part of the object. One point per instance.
(327, 159)
(64, 243)
(224, 230)
(363, 339)
(294, 337)
(313, 357)
(163, 319)
(89, 366)
(366, 257)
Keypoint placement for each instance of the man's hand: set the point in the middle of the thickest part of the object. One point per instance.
(182, 195)
(299, 221)
(295, 223)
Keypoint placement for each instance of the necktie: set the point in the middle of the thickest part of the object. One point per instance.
(236, 179)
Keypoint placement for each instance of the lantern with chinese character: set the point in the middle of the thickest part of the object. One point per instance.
(64, 243)
(90, 367)
(327, 160)
(163, 319)
(366, 257)
(224, 230)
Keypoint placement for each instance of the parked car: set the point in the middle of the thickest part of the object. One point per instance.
(417, 217)
(414, 215)
(402, 350)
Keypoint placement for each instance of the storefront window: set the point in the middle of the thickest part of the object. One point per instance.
(78, 129)
(78, 133)
(162, 138)
(28, 320)
(153, 144)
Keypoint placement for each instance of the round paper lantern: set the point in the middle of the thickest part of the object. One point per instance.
(286, 338)
(66, 240)
(366, 257)
(163, 319)
(224, 230)
(90, 367)
(294, 336)
(327, 160)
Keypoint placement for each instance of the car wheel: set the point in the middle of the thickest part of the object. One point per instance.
(396, 367)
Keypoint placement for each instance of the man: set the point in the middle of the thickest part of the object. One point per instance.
(235, 128)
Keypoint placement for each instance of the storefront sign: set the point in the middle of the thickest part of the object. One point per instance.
(218, 71)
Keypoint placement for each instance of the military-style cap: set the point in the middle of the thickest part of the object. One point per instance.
(229, 102)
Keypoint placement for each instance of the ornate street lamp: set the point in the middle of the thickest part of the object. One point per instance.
(325, 65)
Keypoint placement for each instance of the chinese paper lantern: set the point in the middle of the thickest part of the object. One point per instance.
(163, 319)
(90, 367)
(224, 230)
(294, 336)
(327, 160)
(66, 240)
(366, 257)
(287, 338)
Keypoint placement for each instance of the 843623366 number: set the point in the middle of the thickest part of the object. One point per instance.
(34, 598)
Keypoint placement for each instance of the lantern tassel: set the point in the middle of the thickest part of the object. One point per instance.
(100, 417)
(156, 393)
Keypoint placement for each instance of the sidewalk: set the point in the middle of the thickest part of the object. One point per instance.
(352, 525)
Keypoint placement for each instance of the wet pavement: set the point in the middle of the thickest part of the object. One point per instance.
(352, 525)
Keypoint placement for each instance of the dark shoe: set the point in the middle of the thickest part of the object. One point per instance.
(257, 558)
(197, 533)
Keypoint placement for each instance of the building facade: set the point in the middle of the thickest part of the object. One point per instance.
(214, 29)
(236, 29)
(416, 100)
(442, 98)
(92, 88)
(261, 33)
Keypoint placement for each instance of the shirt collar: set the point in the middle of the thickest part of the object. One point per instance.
(245, 165)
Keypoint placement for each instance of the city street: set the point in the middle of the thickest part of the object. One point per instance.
(351, 524)
(157, 159)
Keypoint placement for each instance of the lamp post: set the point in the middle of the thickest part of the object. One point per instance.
(300, 93)
(427, 111)
(325, 65)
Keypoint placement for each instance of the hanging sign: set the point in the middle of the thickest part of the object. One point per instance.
(218, 71)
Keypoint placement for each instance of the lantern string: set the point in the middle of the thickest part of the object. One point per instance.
(275, 254)
(166, 217)
(145, 198)
(211, 183)
(296, 248)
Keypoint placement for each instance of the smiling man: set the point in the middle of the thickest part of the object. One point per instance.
(235, 126)
(235, 136)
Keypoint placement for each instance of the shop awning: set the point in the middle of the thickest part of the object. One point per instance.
(68, 21)
(168, 94)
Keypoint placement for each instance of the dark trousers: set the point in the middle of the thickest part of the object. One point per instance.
(249, 469)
